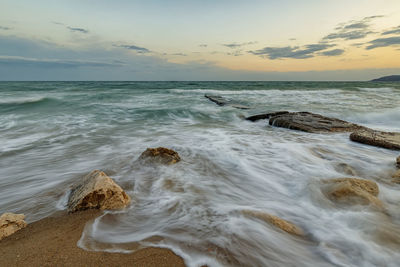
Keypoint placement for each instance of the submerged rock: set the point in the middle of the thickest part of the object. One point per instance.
(352, 191)
(11, 223)
(377, 138)
(97, 191)
(160, 155)
(398, 161)
(220, 101)
(276, 221)
(396, 177)
(346, 169)
(312, 123)
(265, 116)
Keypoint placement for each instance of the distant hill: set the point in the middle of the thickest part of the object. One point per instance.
(391, 78)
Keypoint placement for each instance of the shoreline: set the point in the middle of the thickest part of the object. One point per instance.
(52, 241)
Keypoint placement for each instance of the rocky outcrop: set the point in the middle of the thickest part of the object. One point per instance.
(11, 223)
(377, 138)
(312, 123)
(97, 191)
(352, 191)
(265, 116)
(160, 155)
(220, 101)
(276, 221)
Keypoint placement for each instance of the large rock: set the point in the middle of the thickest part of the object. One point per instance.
(352, 191)
(160, 155)
(11, 223)
(377, 138)
(265, 116)
(312, 123)
(97, 191)
(276, 221)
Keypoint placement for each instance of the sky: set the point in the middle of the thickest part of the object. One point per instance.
(199, 39)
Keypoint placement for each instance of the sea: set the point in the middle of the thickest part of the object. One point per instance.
(54, 133)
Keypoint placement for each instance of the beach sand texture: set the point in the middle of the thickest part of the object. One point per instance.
(53, 242)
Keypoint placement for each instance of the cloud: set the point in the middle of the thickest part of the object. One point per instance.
(357, 25)
(352, 30)
(50, 63)
(334, 52)
(72, 29)
(395, 30)
(179, 54)
(138, 49)
(5, 28)
(237, 45)
(296, 52)
(348, 35)
(77, 29)
(383, 42)
(235, 53)
(203, 45)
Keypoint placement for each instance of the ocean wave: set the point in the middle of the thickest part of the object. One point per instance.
(17, 103)
(253, 92)
(378, 89)
(385, 120)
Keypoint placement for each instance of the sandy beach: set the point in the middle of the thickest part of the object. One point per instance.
(52, 241)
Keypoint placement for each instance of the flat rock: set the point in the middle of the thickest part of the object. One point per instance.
(312, 123)
(388, 140)
(160, 155)
(97, 191)
(265, 116)
(221, 101)
(276, 221)
(352, 191)
(11, 223)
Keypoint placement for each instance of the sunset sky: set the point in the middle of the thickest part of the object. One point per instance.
(199, 40)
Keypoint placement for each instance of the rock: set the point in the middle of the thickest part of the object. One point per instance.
(312, 123)
(346, 169)
(398, 161)
(352, 191)
(396, 177)
(97, 191)
(160, 155)
(265, 116)
(11, 223)
(377, 138)
(238, 106)
(276, 221)
(220, 101)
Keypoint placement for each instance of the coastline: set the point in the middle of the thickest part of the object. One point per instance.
(52, 241)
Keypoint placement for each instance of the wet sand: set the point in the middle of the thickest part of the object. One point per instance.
(52, 242)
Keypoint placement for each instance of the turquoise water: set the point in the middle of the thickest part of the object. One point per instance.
(53, 133)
